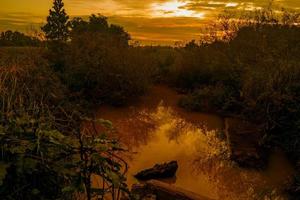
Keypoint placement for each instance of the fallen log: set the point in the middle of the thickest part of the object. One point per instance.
(166, 170)
(164, 191)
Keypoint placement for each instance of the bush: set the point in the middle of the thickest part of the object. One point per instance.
(203, 65)
(102, 67)
(161, 60)
(216, 99)
(45, 152)
(26, 80)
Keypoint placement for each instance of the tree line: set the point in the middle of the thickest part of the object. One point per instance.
(15, 38)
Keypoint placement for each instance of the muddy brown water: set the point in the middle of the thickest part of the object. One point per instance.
(155, 130)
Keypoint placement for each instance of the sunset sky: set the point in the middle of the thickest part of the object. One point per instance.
(149, 21)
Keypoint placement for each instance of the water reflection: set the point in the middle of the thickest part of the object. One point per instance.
(162, 133)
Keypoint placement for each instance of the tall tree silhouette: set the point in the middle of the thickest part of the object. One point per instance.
(57, 27)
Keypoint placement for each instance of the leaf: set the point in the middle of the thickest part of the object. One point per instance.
(102, 137)
(35, 191)
(70, 165)
(54, 136)
(21, 149)
(101, 147)
(106, 123)
(115, 178)
(69, 189)
(98, 158)
(3, 172)
(2, 130)
(30, 163)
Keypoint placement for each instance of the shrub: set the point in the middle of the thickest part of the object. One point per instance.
(102, 67)
(45, 151)
(218, 99)
(26, 80)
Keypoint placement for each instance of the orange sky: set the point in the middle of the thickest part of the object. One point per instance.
(149, 21)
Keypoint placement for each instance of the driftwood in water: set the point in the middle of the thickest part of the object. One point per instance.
(166, 170)
(163, 191)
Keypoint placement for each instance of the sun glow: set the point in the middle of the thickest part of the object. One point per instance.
(232, 4)
(174, 8)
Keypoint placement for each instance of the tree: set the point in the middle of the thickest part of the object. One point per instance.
(191, 45)
(98, 26)
(57, 27)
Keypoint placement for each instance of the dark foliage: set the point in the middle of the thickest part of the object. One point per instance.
(17, 39)
(101, 65)
(45, 153)
(254, 75)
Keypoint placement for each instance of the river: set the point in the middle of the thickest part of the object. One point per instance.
(155, 130)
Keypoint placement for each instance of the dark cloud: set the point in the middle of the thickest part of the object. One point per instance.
(161, 30)
(219, 5)
(20, 21)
